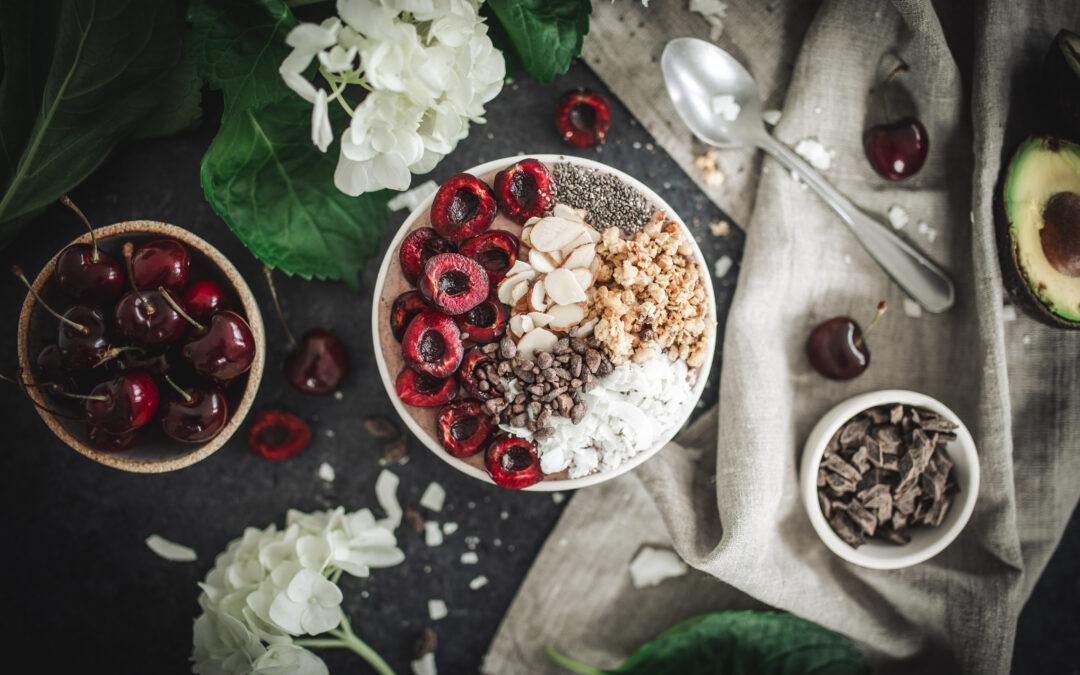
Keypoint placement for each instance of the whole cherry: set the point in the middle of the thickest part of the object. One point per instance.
(161, 262)
(837, 348)
(120, 404)
(82, 336)
(146, 317)
(204, 297)
(221, 348)
(583, 118)
(85, 272)
(896, 149)
(193, 414)
(319, 363)
(108, 442)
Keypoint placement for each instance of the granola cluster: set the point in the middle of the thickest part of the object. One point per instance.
(650, 297)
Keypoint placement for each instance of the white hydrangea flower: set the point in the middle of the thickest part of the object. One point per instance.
(429, 68)
(271, 585)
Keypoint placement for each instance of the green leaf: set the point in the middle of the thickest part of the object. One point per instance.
(276, 191)
(180, 106)
(742, 643)
(80, 76)
(239, 46)
(546, 35)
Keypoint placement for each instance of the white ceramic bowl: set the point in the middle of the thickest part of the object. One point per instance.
(926, 542)
(427, 435)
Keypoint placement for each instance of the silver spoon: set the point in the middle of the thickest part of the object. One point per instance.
(696, 72)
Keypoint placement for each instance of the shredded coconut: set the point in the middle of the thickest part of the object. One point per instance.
(814, 152)
(449, 528)
(771, 117)
(434, 497)
(326, 472)
(927, 229)
(1008, 313)
(558, 497)
(633, 408)
(652, 565)
(469, 558)
(432, 533)
(722, 266)
(478, 583)
(898, 217)
(912, 308)
(386, 486)
(436, 609)
(713, 12)
(170, 550)
(726, 107)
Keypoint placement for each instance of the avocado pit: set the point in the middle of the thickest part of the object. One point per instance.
(1060, 234)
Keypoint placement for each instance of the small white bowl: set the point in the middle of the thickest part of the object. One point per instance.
(926, 542)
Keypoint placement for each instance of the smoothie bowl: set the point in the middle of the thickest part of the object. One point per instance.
(544, 322)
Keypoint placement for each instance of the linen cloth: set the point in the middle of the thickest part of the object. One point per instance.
(726, 494)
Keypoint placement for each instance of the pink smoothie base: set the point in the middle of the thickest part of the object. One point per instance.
(392, 283)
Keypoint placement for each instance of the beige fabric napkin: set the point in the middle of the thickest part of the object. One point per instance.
(735, 513)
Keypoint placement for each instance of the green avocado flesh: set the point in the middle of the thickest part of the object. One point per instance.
(1046, 241)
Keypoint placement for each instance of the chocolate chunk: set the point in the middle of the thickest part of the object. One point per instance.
(605, 367)
(826, 506)
(578, 345)
(854, 432)
(821, 478)
(521, 398)
(871, 494)
(533, 408)
(904, 502)
(873, 452)
(524, 375)
(866, 521)
(553, 394)
(837, 465)
(577, 413)
(395, 450)
(878, 415)
(896, 414)
(563, 374)
(839, 483)
(564, 404)
(936, 513)
(592, 360)
(535, 389)
(544, 432)
(842, 525)
(507, 348)
(517, 408)
(550, 375)
(544, 360)
(494, 406)
(562, 345)
(425, 643)
(489, 347)
(519, 420)
(413, 519)
(833, 446)
(380, 427)
(544, 416)
(861, 459)
(894, 536)
(576, 363)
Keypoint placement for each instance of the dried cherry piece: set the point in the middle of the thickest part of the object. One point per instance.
(277, 435)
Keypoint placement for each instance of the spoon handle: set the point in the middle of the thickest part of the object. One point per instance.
(917, 275)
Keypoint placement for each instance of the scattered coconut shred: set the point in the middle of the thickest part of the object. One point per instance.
(410, 199)
(653, 565)
(633, 407)
(726, 108)
(170, 550)
(434, 497)
(713, 11)
(814, 152)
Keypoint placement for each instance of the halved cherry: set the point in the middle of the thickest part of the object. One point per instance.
(422, 390)
(406, 306)
(512, 462)
(464, 427)
(453, 283)
(106, 442)
(277, 435)
(524, 190)
(419, 247)
(463, 207)
(583, 118)
(496, 251)
(432, 344)
(486, 322)
(475, 359)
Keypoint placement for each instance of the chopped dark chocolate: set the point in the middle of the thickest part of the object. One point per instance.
(887, 470)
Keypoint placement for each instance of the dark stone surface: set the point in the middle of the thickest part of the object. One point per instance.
(84, 593)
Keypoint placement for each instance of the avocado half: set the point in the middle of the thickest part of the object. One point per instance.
(1042, 209)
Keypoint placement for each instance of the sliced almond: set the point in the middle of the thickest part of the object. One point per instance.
(565, 316)
(538, 297)
(518, 267)
(538, 339)
(594, 266)
(594, 234)
(508, 284)
(540, 261)
(563, 288)
(515, 324)
(540, 319)
(581, 240)
(568, 212)
(585, 328)
(519, 290)
(532, 221)
(580, 256)
(583, 275)
(526, 234)
(552, 233)
(556, 257)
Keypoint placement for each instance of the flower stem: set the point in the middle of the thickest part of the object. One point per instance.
(347, 639)
(570, 664)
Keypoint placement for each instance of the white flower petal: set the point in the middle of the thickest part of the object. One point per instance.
(292, 69)
(321, 132)
(311, 38)
(289, 659)
(170, 550)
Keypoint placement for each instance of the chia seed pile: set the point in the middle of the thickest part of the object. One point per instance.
(605, 198)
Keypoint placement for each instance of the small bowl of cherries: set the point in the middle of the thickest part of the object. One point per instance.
(140, 345)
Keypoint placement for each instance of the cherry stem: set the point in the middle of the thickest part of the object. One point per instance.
(83, 397)
(22, 277)
(112, 352)
(277, 307)
(179, 310)
(179, 389)
(128, 252)
(23, 384)
(66, 201)
(902, 68)
(880, 310)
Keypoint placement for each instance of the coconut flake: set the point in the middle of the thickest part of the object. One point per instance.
(726, 108)
(713, 12)
(653, 565)
(898, 217)
(410, 199)
(386, 486)
(771, 117)
(425, 665)
(814, 152)
(721, 266)
(469, 558)
(478, 583)
(436, 609)
(558, 497)
(433, 497)
(433, 535)
(326, 472)
(449, 528)
(1008, 313)
(912, 308)
(562, 287)
(170, 550)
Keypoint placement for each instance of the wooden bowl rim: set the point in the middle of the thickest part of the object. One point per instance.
(254, 318)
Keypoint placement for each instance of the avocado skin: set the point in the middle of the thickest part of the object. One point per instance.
(1011, 274)
(1061, 85)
